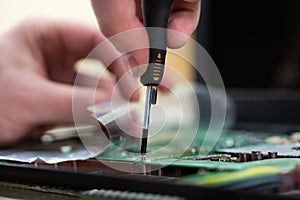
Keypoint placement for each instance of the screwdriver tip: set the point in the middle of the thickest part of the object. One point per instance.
(143, 157)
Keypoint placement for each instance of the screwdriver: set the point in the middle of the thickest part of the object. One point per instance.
(156, 16)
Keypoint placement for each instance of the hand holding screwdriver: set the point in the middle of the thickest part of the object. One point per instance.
(117, 16)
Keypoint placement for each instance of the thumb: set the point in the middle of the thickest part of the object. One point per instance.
(66, 103)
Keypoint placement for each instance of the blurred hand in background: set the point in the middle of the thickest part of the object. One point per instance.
(37, 74)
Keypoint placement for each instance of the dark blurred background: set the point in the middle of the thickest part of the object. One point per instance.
(256, 46)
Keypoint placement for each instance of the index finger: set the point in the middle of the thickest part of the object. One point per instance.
(184, 18)
(117, 16)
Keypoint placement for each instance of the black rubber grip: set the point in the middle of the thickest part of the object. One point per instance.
(156, 16)
(156, 67)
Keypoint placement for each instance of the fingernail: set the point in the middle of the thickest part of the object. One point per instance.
(129, 85)
(135, 96)
(134, 70)
(133, 85)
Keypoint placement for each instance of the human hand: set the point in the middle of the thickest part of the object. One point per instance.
(37, 76)
(117, 16)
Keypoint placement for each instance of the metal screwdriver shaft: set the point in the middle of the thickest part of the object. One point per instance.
(155, 15)
(146, 122)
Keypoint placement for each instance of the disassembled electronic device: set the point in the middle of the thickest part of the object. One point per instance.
(242, 164)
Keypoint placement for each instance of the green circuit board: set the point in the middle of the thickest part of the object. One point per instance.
(216, 167)
(124, 151)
